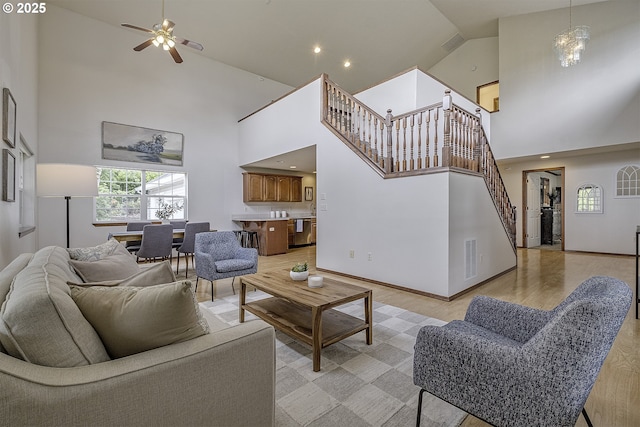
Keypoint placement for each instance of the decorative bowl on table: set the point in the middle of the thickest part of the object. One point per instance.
(300, 271)
(299, 275)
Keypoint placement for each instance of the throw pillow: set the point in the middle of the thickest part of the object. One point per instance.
(130, 320)
(157, 274)
(112, 267)
(94, 253)
(39, 321)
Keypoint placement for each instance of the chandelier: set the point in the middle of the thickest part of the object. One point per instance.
(570, 43)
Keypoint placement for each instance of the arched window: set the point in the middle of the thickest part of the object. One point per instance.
(589, 199)
(628, 181)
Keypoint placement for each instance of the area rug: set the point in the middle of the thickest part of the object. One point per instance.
(358, 384)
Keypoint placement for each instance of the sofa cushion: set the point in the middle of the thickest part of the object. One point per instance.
(39, 321)
(112, 267)
(95, 253)
(157, 274)
(130, 320)
(227, 265)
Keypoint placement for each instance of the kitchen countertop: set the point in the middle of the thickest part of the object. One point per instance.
(260, 218)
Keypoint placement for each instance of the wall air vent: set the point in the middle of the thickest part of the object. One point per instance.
(470, 259)
(453, 43)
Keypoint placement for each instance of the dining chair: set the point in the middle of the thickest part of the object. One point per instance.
(178, 224)
(188, 244)
(134, 245)
(157, 242)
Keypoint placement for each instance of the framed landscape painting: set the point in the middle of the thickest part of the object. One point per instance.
(137, 144)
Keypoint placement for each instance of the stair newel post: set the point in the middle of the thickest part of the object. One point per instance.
(388, 122)
(477, 146)
(446, 147)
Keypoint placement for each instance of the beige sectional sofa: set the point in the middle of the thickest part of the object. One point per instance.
(54, 369)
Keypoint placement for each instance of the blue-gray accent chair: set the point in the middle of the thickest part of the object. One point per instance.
(157, 241)
(188, 243)
(512, 365)
(218, 255)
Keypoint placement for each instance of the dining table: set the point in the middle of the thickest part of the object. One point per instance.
(132, 236)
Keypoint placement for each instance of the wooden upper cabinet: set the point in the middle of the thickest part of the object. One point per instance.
(259, 187)
(296, 189)
(284, 188)
(252, 187)
(270, 193)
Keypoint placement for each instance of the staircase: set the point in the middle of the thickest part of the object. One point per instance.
(437, 138)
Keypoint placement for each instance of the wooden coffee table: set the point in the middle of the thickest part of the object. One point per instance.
(305, 313)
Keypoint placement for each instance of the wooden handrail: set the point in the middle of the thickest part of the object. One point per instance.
(408, 144)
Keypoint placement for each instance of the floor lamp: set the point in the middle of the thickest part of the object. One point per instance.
(64, 180)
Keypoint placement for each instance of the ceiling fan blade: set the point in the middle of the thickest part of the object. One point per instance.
(189, 43)
(143, 45)
(168, 25)
(175, 54)
(146, 30)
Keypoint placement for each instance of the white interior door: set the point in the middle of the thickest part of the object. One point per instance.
(533, 210)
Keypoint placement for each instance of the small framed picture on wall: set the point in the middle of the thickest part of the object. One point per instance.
(8, 176)
(8, 118)
(308, 194)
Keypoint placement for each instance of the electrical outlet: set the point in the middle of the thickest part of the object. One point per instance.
(370, 256)
(352, 253)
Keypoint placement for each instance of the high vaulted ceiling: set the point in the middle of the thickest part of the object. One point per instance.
(275, 38)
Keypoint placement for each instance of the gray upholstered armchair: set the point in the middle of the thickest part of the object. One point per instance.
(512, 365)
(219, 255)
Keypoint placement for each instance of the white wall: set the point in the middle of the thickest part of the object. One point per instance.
(473, 64)
(89, 73)
(472, 216)
(18, 72)
(545, 108)
(406, 224)
(613, 231)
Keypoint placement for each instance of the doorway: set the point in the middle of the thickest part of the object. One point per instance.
(543, 201)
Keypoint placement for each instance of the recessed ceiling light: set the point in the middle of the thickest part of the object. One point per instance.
(293, 167)
(347, 64)
(545, 157)
(317, 49)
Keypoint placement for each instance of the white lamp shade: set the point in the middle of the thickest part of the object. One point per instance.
(60, 180)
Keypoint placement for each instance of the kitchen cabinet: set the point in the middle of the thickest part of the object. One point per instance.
(270, 189)
(258, 187)
(271, 234)
(291, 232)
(296, 189)
(284, 188)
(252, 188)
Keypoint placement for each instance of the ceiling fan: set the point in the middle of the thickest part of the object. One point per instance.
(163, 36)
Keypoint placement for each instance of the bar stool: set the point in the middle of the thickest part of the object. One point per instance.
(252, 240)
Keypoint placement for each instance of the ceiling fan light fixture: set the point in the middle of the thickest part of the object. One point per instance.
(162, 35)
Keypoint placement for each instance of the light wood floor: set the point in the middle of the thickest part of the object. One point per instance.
(542, 280)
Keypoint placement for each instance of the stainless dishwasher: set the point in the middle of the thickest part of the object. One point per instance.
(302, 234)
